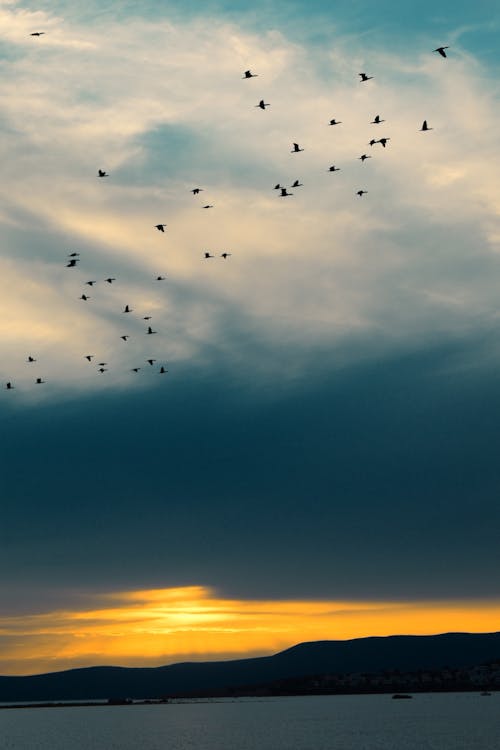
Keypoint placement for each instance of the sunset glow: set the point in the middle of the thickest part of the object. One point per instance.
(162, 626)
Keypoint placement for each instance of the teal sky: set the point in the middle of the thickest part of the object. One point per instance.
(328, 423)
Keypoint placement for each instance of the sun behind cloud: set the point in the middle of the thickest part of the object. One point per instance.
(160, 626)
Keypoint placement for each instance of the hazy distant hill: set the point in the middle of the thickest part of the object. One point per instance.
(405, 653)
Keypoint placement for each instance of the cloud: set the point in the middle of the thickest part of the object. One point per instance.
(154, 627)
(162, 107)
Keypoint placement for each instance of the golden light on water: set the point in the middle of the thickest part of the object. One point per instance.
(162, 626)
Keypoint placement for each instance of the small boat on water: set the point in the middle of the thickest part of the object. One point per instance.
(401, 696)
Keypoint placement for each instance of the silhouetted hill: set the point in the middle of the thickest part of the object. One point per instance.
(405, 653)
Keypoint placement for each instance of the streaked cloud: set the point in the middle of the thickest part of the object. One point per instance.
(155, 627)
(318, 267)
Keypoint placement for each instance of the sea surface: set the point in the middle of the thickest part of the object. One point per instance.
(451, 721)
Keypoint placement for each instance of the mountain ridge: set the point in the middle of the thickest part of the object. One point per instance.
(370, 654)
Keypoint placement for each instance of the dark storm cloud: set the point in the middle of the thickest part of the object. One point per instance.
(377, 480)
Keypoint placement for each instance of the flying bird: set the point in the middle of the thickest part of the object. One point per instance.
(84, 297)
(333, 168)
(361, 192)
(102, 173)
(72, 263)
(441, 51)
(39, 381)
(284, 193)
(91, 283)
(262, 104)
(31, 359)
(335, 122)
(225, 255)
(372, 142)
(376, 120)
(37, 33)
(249, 74)
(9, 386)
(383, 141)
(147, 317)
(150, 331)
(127, 309)
(160, 227)
(102, 369)
(297, 184)
(73, 255)
(425, 126)
(135, 369)
(363, 157)
(207, 255)
(278, 186)
(196, 191)
(151, 361)
(208, 206)
(110, 280)
(364, 77)
(161, 278)
(89, 357)
(296, 149)
(162, 370)
(125, 337)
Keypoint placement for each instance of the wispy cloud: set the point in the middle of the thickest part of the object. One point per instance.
(154, 627)
(162, 107)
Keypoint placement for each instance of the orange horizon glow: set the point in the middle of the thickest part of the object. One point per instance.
(161, 626)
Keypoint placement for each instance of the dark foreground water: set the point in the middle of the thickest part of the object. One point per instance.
(453, 721)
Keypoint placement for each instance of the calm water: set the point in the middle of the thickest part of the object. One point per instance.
(457, 721)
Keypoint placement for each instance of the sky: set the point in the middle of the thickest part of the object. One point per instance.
(320, 458)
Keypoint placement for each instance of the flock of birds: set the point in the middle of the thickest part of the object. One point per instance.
(74, 258)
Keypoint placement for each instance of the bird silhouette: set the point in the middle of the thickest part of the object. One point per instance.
(196, 191)
(376, 120)
(249, 74)
(110, 280)
(39, 381)
(150, 331)
(31, 359)
(207, 255)
(333, 168)
(372, 142)
(284, 193)
(84, 297)
(91, 283)
(364, 77)
(225, 255)
(262, 104)
(9, 386)
(127, 309)
(160, 278)
(297, 184)
(147, 317)
(151, 361)
(425, 126)
(335, 122)
(102, 173)
(125, 337)
(364, 157)
(102, 369)
(361, 192)
(37, 33)
(89, 357)
(73, 255)
(208, 206)
(162, 370)
(383, 141)
(135, 369)
(441, 51)
(278, 186)
(160, 227)
(72, 263)
(296, 148)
